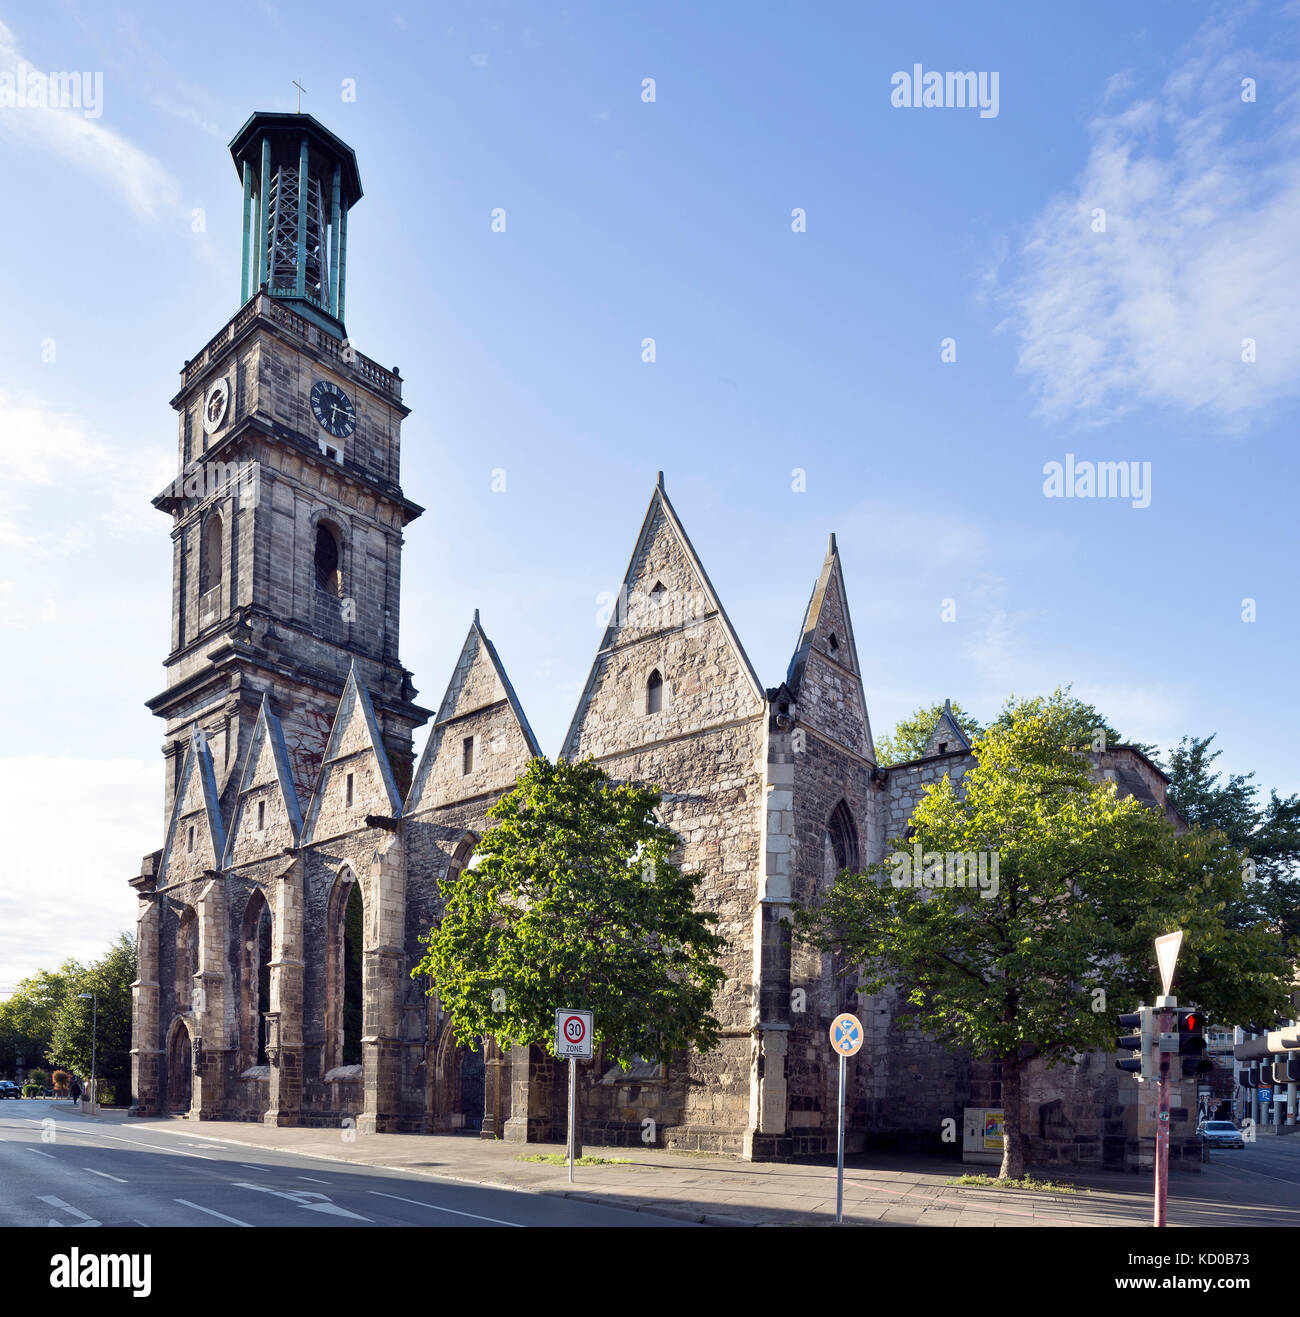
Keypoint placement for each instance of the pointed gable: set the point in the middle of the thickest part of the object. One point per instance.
(355, 777)
(196, 837)
(669, 653)
(824, 675)
(479, 707)
(947, 735)
(267, 817)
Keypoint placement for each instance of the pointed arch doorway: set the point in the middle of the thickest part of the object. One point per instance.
(180, 1071)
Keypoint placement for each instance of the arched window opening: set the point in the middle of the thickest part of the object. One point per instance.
(210, 554)
(833, 644)
(654, 693)
(354, 926)
(841, 852)
(329, 559)
(841, 842)
(186, 958)
(255, 979)
(462, 857)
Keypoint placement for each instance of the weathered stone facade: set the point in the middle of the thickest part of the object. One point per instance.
(304, 846)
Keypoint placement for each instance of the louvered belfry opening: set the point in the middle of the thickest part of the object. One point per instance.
(300, 181)
(282, 237)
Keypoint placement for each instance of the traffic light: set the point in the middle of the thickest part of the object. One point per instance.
(1143, 1042)
(1191, 1043)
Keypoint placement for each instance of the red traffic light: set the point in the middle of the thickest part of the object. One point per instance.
(1190, 1023)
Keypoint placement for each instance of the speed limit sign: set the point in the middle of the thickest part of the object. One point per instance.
(572, 1032)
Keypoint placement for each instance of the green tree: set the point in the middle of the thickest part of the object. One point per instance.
(27, 1016)
(574, 901)
(907, 741)
(1267, 835)
(1032, 965)
(1081, 724)
(110, 978)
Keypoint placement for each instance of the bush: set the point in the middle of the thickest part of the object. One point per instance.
(40, 1078)
(61, 1079)
(31, 1090)
(107, 1093)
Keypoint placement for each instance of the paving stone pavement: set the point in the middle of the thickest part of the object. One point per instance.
(1261, 1188)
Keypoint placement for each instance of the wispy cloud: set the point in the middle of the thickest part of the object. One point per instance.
(63, 482)
(1200, 190)
(84, 143)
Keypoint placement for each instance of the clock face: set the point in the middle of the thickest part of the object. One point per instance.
(333, 409)
(215, 405)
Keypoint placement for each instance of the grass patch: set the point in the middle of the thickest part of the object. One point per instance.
(559, 1159)
(994, 1182)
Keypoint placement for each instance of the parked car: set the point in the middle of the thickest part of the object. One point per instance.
(8, 1089)
(1220, 1134)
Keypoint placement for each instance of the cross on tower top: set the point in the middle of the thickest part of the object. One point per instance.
(301, 89)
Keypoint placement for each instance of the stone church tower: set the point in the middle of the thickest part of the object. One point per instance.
(303, 848)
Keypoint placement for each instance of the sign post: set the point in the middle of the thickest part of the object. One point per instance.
(1167, 948)
(846, 1039)
(572, 1039)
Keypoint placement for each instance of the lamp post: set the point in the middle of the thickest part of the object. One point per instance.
(94, 1039)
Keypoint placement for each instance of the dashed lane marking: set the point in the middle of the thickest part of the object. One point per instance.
(68, 1207)
(105, 1174)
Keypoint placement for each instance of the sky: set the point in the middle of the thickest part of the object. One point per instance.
(874, 319)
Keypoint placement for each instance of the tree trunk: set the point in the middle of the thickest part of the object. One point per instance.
(1013, 1136)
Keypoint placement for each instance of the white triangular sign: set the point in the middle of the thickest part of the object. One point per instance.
(1167, 954)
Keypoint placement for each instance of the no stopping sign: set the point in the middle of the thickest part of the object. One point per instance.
(572, 1032)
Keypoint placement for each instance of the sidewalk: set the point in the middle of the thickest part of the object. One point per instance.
(879, 1189)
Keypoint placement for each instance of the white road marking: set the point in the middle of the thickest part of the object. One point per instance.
(300, 1196)
(72, 1211)
(309, 1179)
(157, 1147)
(434, 1208)
(39, 1153)
(262, 1169)
(185, 1202)
(105, 1174)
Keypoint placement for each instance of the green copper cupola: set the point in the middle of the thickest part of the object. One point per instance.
(299, 181)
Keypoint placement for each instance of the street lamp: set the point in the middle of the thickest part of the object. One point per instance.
(94, 1033)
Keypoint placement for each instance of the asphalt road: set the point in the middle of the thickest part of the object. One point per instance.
(57, 1169)
(1255, 1185)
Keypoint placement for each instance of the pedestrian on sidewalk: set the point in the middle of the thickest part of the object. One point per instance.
(75, 1091)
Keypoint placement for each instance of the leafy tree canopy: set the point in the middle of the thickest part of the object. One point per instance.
(1268, 835)
(573, 900)
(1081, 724)
(1036, 963)
(27, 1016)
(110, 978)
